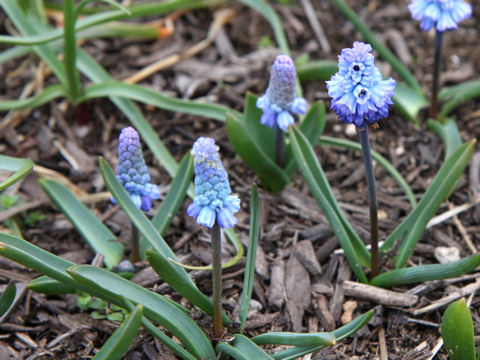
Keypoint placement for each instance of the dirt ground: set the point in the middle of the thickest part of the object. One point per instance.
(288, 294)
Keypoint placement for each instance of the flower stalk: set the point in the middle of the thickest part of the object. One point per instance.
(279, 147)
(135, 244)
(70, 50)
(372, 199)
(216, 237)
(437, 63)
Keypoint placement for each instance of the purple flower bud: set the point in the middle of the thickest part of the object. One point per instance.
(441, 14)
(358, 91)
(132, 172)
(213, 199)
(279, 101)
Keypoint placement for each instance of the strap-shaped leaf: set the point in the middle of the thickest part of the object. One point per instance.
(7, 297)
(99, 237)
(21, 168)
(243, 349)
(406, 100)
(316, 70)
(251, 255)
(412, 227)
(457, 331)
(294, 339)
(156, 307)
(423, 273)
(117, 345)
(48, 94)
(355, 250)
(457, 95)
(46, 285)
(449, 133)
(340, 334)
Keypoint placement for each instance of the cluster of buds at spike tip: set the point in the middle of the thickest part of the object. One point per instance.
(132, 172)
(213, 200)
(280, 101)
(440, 14)
(358, 91)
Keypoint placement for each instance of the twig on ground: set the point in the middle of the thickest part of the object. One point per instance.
(378, 295)
(316, 26)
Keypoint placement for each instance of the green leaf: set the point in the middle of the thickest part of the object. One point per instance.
(156, 307)
(457, 95)
(21, 168)
(408, 102)
(355, 250)
(98, 236)
(243, 349)
(48, 94)
(382, 50)
(326, 140)
(294, 339)
(449, 133)
(7, 297)
(457, 331)
(152, 97)
(423, 273)
(271, 176)
(251, 255)
(174, 198)
(117, 345)
(317, 70)
(340, 334)
(46, 285)
(412, 227)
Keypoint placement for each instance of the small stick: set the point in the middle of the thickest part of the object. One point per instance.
(372, 199)
(378, 295)
(215, 233)
(437, 62)
(279, 150)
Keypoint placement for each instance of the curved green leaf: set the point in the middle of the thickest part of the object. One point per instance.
(423, 273)
(291, 338)
(355, 250)
(326, 140)
(251, 255)
(457, 331)
(382, 50)
(340, 334)
(457, 95)
(7, 297)
(407, 101)
(156, 307)
(117, 345)
(46, 285)
(152, 97)
(21, 168)
(449, 133)
(48, 94)
(317, 70)
(98, 236)
(412, 227)
(243, 349)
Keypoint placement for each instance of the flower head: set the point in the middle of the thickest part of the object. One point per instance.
(132, 172)
(441, 14)
(279, 101)
(213, 199)
(358, 90)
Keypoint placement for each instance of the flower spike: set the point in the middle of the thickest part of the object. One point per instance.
(358, 91)
(441, 14)
(132, 172)
(213, 200)
(279, 102)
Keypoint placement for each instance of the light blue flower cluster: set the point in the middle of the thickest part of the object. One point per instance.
(132, 172)
(358, 90)
(279, 102)
(442, 14)
(213, 200)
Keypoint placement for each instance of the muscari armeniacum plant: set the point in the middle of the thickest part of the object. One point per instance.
(361, 96)
(280, 103)
(133, 175)
(442, 15)
(213, 207)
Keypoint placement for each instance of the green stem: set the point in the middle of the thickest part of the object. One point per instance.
(216, 237)
(70, 52)
(437, 63)
(279, 147)
(372, 199)
(135, 244)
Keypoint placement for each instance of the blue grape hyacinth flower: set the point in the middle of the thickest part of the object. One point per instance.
(213, 200)
(358, 91)
(279, 102)
(441, 14)
(132, 172)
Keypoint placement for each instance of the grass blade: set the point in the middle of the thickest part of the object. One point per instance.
(117, 345)
(414, 224)
(423, 273)
(21, 168)
(98, 236)
(251, 254)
